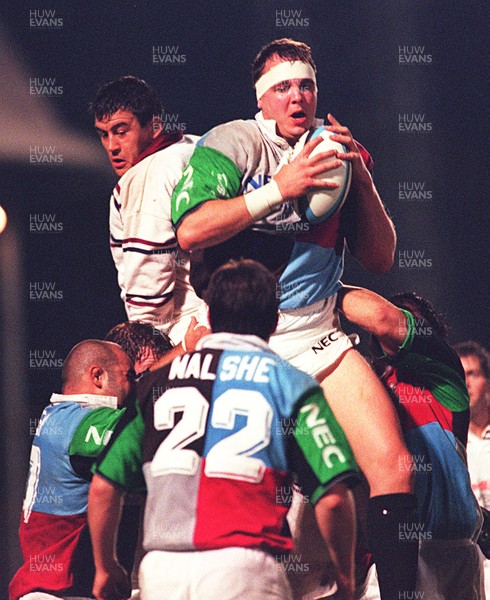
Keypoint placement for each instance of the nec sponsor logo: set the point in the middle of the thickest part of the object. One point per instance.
(322, 435)
(325, 342)
(254, 183)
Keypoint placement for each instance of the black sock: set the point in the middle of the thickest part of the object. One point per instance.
(393, 541)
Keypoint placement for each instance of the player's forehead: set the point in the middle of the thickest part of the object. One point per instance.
(122, 116)
(275, 60)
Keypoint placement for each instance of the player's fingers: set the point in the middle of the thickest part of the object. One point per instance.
(321, 184)
(322, 167)
(192, 324)
(310, 146)
(348, 155)
(333, 121)
(322, 156)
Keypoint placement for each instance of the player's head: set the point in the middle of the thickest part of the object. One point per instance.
(98, 367)
(476, 364)
(285, 84)
(421, 308)
(127, 115)
(242, 298)
(142, 343)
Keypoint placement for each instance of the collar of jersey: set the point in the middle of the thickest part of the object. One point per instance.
(233, 341)
(269, 127)
(87, 399)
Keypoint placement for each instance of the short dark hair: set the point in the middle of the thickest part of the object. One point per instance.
(285, 48)
(242, 298)
(126, 93)
(135, 337)
(423, 308)
(472, 348)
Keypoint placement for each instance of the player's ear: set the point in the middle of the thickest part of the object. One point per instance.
(96, 373)
(259, 104)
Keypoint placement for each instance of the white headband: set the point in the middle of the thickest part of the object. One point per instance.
(282, 72)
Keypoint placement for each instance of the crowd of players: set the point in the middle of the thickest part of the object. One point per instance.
(238, 415)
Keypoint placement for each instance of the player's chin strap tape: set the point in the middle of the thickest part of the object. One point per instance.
(283, 72)
(263, 201)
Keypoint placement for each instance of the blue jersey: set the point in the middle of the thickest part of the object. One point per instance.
(432, 400)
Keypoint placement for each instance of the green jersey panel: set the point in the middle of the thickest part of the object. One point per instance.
(208, 176)
(94, 432)
(323, 445)
(122, 462)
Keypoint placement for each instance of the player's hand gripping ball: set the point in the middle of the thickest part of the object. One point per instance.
(318, 206)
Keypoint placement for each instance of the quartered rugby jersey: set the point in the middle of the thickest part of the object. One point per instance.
(428, 381)
(217, 434)
(53, 533)
(236, 158)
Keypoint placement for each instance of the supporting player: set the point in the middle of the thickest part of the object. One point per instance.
(233, 201)
(149, 348)
(153, 272)
(207, 436)
(97, 379)
(412, 356)
(476, 364)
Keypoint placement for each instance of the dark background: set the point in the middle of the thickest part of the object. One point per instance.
(361, 81)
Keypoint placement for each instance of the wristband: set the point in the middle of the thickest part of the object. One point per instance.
(263, 201)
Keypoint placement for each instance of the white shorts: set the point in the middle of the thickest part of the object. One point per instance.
(224, 574)
(447, 570)
(310, 338)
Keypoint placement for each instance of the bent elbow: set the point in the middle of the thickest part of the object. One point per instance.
(382, 265)
(379, 264)
(187, 239)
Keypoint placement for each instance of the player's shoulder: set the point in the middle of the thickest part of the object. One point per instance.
(167, 158)
(229, 134)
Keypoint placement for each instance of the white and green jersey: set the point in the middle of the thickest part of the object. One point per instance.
(236, 158)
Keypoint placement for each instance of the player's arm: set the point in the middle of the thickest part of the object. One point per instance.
(326, 468)
(204, 219)
(144, 243)
(335, 516)
(370, 232)
(104, 512)
(374, 314)
(118, 468)
(193, 334)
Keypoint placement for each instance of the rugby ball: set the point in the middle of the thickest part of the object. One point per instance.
(318, 206)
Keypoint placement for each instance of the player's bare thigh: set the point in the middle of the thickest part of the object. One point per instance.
(365, 412)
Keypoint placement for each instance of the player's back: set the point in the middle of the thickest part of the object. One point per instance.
(214, 452)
